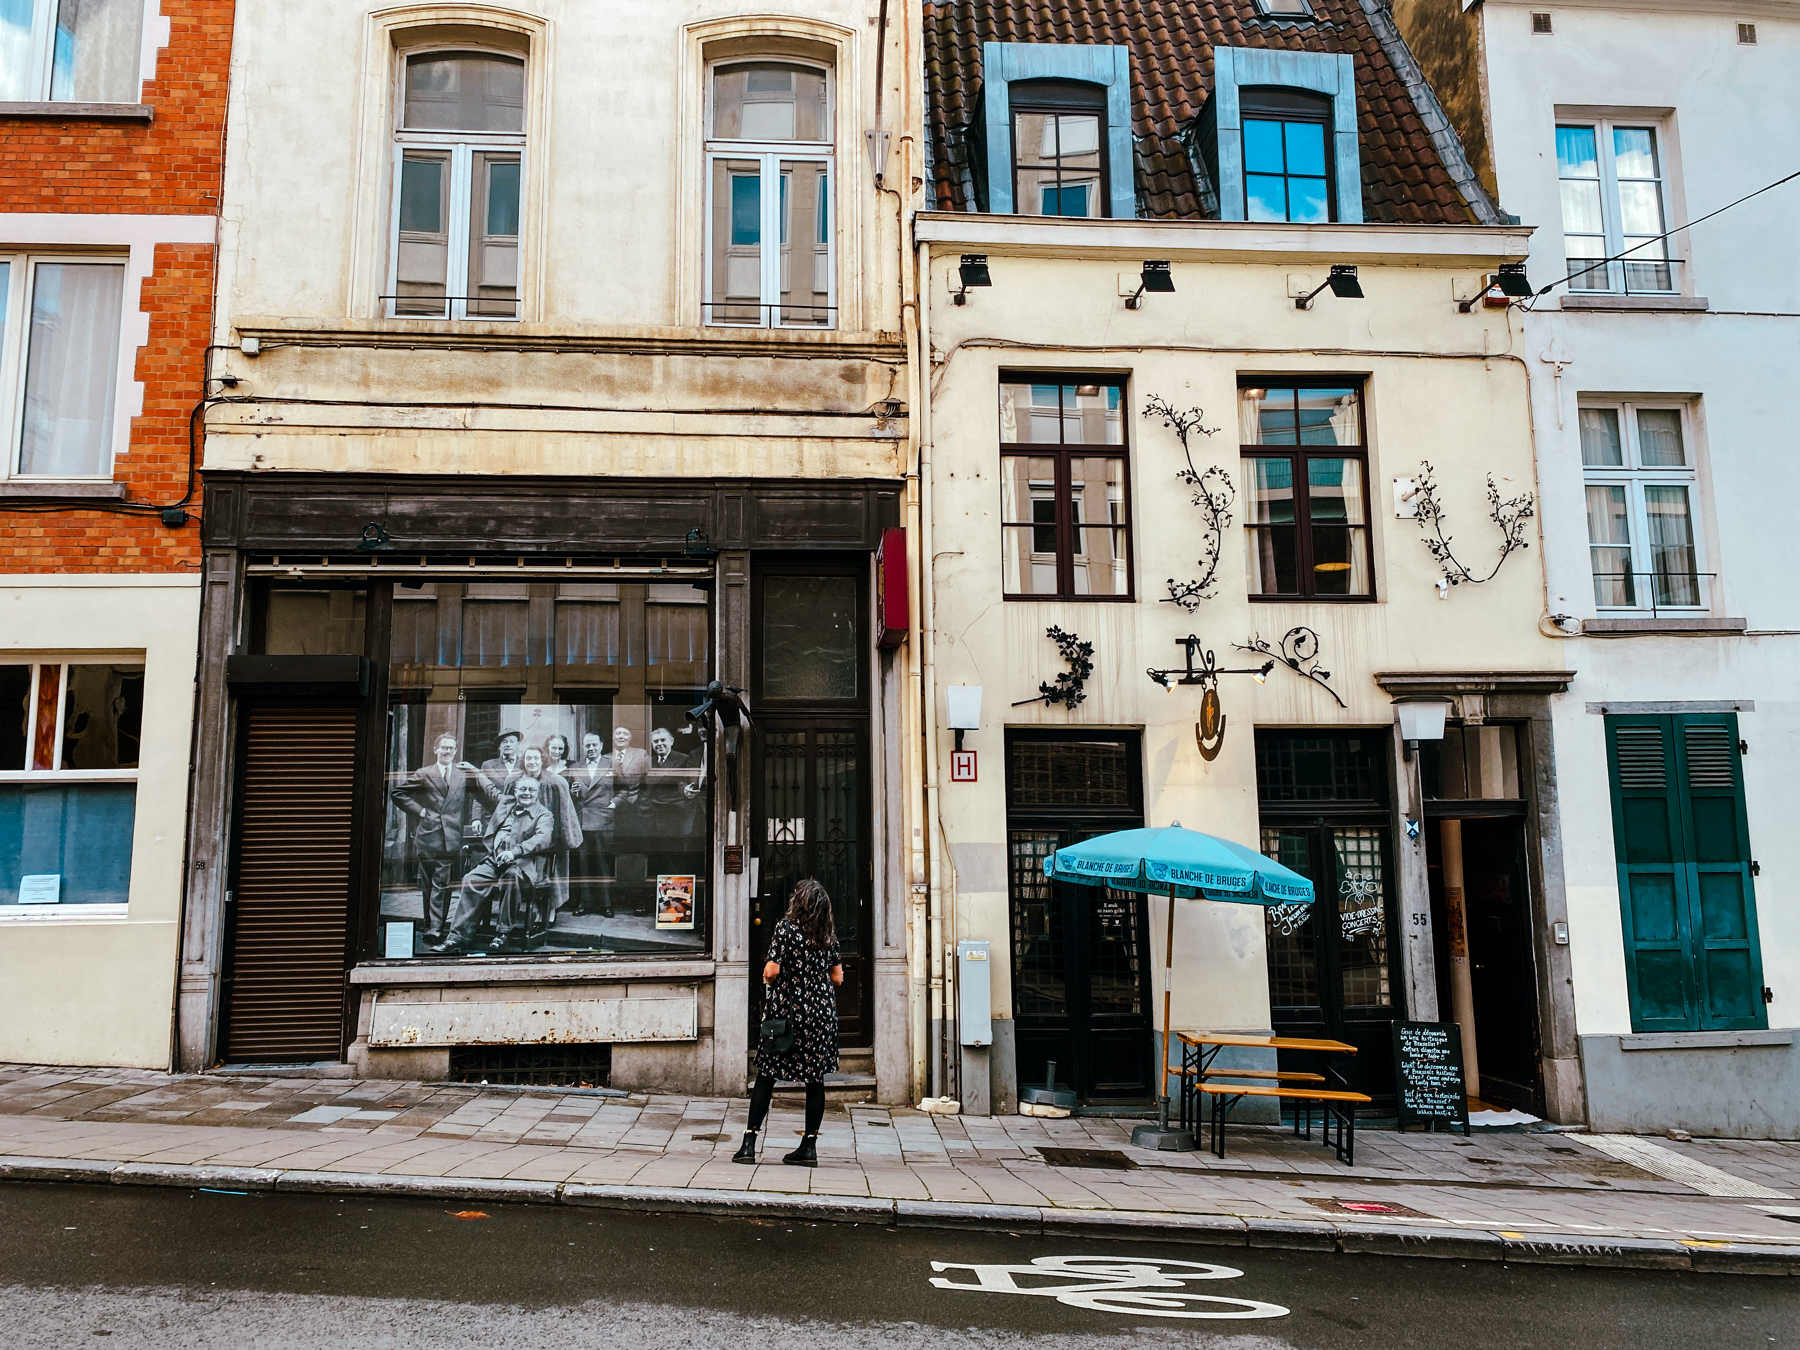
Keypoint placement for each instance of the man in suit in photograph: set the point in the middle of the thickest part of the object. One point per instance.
(592, 783)
(501, 774)
(671, 810)
(437, 798)
(631, 819)
(518, 841)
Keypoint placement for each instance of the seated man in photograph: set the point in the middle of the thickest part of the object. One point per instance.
(519, 836)
(437, 798)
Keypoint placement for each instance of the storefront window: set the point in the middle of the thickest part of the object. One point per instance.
(546, 791)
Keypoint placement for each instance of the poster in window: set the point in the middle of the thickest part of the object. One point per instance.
(675, 900)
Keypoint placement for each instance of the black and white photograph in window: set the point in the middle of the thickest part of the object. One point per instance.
(546, 790)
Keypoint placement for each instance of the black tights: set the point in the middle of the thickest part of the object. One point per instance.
(763, 1092)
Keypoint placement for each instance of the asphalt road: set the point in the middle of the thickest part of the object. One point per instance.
(157, 1267)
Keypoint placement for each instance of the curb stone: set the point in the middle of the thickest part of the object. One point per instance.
(1449, 1244)
(169, 1174)
(980, 1218)
(56, 1169)
(447, 1188)
(1738, 1258)
(1627, 1253)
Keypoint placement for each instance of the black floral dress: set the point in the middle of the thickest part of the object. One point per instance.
(803, 993)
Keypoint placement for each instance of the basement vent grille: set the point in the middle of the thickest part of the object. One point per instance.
(1540, 23)
(1747, 34)
(1709, 756)
(1641, 758)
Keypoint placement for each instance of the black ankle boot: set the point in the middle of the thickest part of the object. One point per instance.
(747, 1150)
(807, 1155)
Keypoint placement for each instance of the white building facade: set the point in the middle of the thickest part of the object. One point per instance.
(1663, 442)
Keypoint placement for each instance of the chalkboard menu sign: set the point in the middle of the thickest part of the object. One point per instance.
(1428, 1074)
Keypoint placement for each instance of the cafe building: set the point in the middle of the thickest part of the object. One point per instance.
(1228, 474)
(554, 606)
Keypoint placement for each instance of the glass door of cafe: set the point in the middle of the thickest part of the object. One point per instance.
(1080, 954)
(1333, 968)
(810, 807)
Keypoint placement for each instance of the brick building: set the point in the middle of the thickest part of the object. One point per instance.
(112, 119)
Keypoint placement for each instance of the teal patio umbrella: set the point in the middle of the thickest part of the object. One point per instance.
(1182, 864)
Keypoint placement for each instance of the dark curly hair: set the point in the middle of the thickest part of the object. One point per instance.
(809, 910)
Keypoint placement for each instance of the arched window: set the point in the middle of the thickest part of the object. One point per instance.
(770, 227)
(458, 156)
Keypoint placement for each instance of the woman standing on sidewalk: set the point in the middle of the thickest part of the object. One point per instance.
(798, 983)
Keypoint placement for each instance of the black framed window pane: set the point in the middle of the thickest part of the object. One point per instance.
(1040, 985)
(1336, 505)
(1100, 562)
(1093, 414)
(810, 649)
(1362, 917)
(1030, 414)
(1290, 935)
(1272, 536)
(1028, 506)
(1328, 416)
(1267, 416)
(1097, 489)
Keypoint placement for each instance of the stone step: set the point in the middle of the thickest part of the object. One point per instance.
(841, 1089)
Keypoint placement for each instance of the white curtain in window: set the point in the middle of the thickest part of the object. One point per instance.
(97, 56)
(71, 372)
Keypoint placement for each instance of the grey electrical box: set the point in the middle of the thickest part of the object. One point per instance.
(974, 1009)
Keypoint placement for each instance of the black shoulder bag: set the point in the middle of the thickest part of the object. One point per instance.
(776, 1034)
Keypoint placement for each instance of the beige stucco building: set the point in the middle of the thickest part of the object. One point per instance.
(570, 378)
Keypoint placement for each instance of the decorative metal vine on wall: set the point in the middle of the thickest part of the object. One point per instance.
(1299, 652)
(1214, 493)
(1070, 688)
(1509, 515)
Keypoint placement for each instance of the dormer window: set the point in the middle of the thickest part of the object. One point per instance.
(1287, 155)
(1059, 149)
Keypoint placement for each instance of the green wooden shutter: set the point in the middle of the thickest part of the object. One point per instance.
(1650, 842)
(1682, 840)
(1727, 956)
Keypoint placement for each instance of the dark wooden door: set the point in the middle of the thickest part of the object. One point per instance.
(1332, 964)
(288, 924)
(1081, 975)
(810, 818)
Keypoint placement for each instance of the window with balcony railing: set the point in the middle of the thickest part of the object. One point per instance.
(1615, 201)
(1641, 508)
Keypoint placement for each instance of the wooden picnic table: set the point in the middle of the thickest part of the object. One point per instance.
(1200, 1048)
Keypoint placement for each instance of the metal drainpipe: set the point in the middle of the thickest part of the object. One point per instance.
(918, 871)
(935, 926)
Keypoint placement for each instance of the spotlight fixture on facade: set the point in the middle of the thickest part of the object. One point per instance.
(1154, 278)
(972, 272)
(1510, 281)
(374, 540)
(1343, 284)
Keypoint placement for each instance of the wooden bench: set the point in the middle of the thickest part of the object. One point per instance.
(1336, 1107)
(1280, 1075)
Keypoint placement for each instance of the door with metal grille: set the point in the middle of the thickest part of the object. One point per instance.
(811, 820)
(289, 920)
(1080, 954)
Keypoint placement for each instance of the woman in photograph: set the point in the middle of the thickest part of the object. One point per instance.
(556, 753)
(799, 983)
(553, 791)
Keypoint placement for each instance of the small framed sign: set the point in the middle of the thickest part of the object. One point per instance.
(399, 941)
(734, 860)
(962, 766)
(41, 888)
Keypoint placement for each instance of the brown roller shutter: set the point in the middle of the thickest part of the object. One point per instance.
(292, 890)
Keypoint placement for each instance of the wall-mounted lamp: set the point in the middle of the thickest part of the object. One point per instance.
(973, 271)
(374, 540)
(698, 545)
(1154, 278)
(1207, 672)
(1510, 281)
(962, 709)
(1342, 281)
(1420, 719)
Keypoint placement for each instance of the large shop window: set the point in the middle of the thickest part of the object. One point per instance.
(1681, 833)
(459, 148)
(770, 235)
(59, 364)
(1065, 495)
(70, 51)
(1307, 521)
(545, 788)
(69, 735)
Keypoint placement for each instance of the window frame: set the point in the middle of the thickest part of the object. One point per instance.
(1262, 103)
(31, 776)
(1060, 98)
(1635, 476)
(769, 155)
(1063, 452)
(42, 64)
(460, 147)
(1298, 455)
(1618, 280)
(15, 358)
